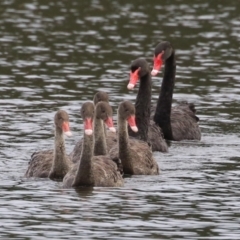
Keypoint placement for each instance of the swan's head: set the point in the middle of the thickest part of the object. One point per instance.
(61, 121)
(126, 112)
(87, 113)
(104, 111)
(138, 69)
(100, 96)
(161, 53)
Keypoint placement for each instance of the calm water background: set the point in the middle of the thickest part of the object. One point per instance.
(57, 54)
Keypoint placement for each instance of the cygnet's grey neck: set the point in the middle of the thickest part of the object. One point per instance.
(123, 144)
(84, 175)
(99, 140)
(60, 164)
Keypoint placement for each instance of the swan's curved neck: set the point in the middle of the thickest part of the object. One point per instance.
(143, 106)
(163, 111)
(123, 146)
(84, 175)
(100, 143)
(60, 164)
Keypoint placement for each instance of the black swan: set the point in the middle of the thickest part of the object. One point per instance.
(180, 122)
(136, 155)
(53, 164)
(148, 130)
(94, 170)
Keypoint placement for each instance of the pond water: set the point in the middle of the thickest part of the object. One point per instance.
(57, 54)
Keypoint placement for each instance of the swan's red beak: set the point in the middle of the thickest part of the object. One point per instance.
(132, 123)
(133, 79)
(66, 129)
(109, 123)
(88, 128)
(157, 63)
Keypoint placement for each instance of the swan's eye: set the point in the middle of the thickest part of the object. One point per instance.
(134, 69)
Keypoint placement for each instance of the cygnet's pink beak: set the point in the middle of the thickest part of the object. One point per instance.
(109, 123)
(132, 123)
(66, 129)
(88, 128)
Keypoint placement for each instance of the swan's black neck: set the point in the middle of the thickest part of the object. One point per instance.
(142, 106)
(162, 115)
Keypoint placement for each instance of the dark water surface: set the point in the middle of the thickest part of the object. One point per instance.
(57, 54)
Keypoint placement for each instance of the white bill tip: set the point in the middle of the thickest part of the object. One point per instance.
(112, 129)
(154, 72)
(88, 131)
(134, 128)
(68, 133)
(130, 86)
